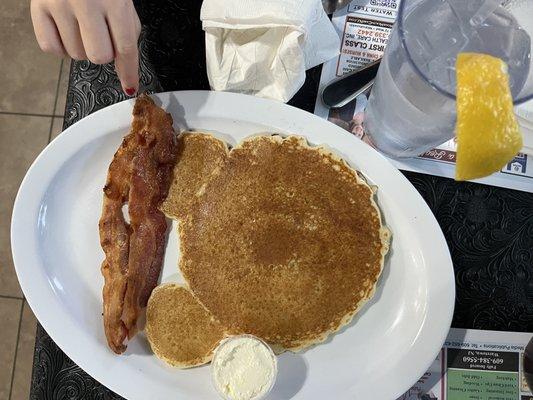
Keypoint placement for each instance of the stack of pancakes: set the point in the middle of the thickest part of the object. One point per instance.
(278, 239)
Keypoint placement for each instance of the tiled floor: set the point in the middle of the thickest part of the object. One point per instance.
(32, 102)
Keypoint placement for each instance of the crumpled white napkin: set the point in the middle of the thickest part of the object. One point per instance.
(263, 47)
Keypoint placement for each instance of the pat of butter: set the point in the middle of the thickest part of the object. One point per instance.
(244, 368)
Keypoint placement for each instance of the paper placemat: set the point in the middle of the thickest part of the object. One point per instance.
(475, 364)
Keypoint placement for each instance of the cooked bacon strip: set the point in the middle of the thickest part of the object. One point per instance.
(115, 240)
(140, 175)
(150, 180)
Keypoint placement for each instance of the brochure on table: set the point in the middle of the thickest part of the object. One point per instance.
(476, 364)
(364, 27)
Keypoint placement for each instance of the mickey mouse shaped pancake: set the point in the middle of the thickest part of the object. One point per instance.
(281, 240)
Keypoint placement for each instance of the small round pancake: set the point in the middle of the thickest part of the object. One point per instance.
(199, 154)
(285, 242)
(180, 330)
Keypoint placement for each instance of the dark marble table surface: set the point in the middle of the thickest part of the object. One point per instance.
(489, 230)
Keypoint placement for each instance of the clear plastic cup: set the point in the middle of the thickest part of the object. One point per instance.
(411, 108)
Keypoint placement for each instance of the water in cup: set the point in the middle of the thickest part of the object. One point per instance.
(412, 105)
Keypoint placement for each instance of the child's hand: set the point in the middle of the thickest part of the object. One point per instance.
(98, 30)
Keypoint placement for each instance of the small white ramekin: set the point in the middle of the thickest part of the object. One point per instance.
(217, 353)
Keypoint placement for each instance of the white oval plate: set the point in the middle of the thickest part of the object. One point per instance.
(54, 237)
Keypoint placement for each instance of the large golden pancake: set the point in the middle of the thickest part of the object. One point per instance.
(285, 242)
(199, 154)
(180, 330)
